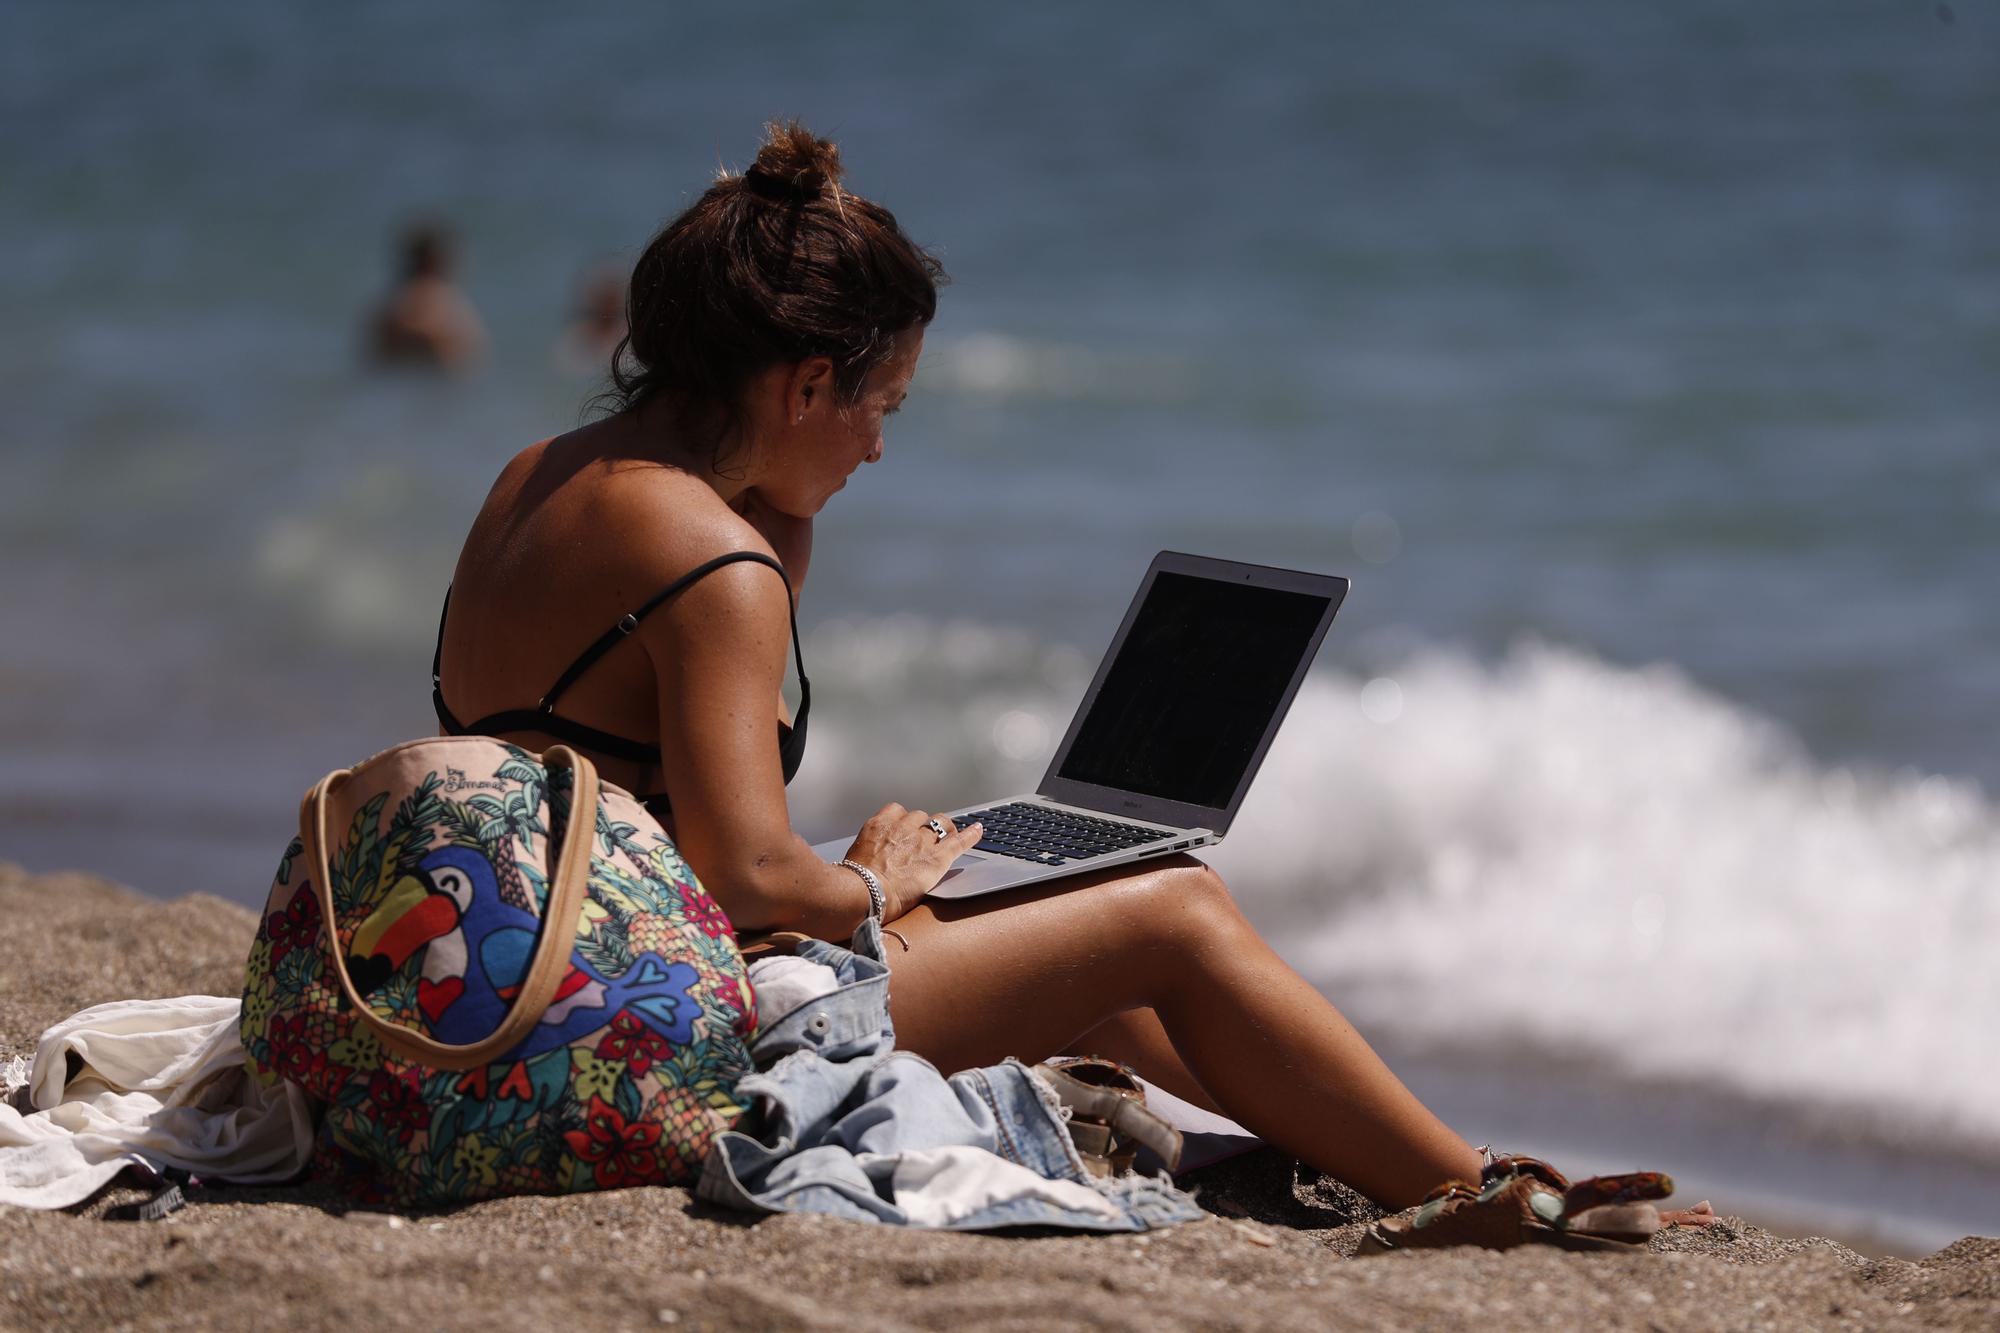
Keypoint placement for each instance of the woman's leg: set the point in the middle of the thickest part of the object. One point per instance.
(1137, 1038)
(1029, 973)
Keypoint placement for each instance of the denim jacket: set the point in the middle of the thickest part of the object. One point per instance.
(845, 1124)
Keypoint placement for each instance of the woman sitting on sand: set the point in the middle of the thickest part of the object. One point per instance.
(774, 326)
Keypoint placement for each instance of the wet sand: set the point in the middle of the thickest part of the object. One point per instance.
(1274, 1251)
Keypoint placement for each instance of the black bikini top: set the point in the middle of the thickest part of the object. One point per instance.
(544, 718)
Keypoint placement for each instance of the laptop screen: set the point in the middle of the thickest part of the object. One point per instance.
(1183, 708)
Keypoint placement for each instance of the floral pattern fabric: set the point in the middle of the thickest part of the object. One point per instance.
(438, 899)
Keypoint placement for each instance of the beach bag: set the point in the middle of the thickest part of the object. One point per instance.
(495, 975)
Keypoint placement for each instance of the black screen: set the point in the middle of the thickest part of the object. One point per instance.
(1186, 702)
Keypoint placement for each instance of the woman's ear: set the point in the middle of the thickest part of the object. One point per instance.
(811, 382)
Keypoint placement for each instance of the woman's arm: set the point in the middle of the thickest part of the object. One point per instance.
(718, 652)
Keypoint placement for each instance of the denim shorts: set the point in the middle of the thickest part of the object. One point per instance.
(843, 1123)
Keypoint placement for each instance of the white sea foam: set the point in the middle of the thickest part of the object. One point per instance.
(1564, 856)
(1549, 855)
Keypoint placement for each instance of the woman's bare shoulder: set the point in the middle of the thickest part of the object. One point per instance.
(666, 522)
(651, 524)
(568, 512)
(523, 489)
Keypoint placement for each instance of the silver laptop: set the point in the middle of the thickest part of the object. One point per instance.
(1161, 752)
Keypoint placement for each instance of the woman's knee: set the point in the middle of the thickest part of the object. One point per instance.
(1180, 905)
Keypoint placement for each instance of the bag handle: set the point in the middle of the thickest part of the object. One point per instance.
(552, 952)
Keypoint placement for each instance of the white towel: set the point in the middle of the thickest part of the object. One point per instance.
(160, 1083)
(783, 982)
(939, 1186)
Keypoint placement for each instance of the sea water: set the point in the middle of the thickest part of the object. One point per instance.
(1639, 366)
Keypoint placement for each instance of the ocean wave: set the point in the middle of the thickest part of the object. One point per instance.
(1544, 856)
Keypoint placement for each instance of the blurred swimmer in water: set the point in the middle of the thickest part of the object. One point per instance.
(425, 322)
(596, 325)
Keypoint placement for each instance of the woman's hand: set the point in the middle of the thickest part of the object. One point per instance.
(902, 848)
(791, 537)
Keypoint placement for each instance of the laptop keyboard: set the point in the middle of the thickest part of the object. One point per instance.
(1052, 837)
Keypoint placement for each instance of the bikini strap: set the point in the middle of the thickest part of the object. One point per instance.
(630, 622)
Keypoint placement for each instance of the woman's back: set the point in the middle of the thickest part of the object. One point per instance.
(577, 533)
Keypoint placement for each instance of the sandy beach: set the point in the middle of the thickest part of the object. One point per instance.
(1274, 1252)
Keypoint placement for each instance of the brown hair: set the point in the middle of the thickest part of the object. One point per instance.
(775, 265)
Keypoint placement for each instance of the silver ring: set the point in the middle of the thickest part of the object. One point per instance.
(935, 827)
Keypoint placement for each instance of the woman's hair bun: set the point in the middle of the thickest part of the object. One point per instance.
(772, 267)
(794, 164)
